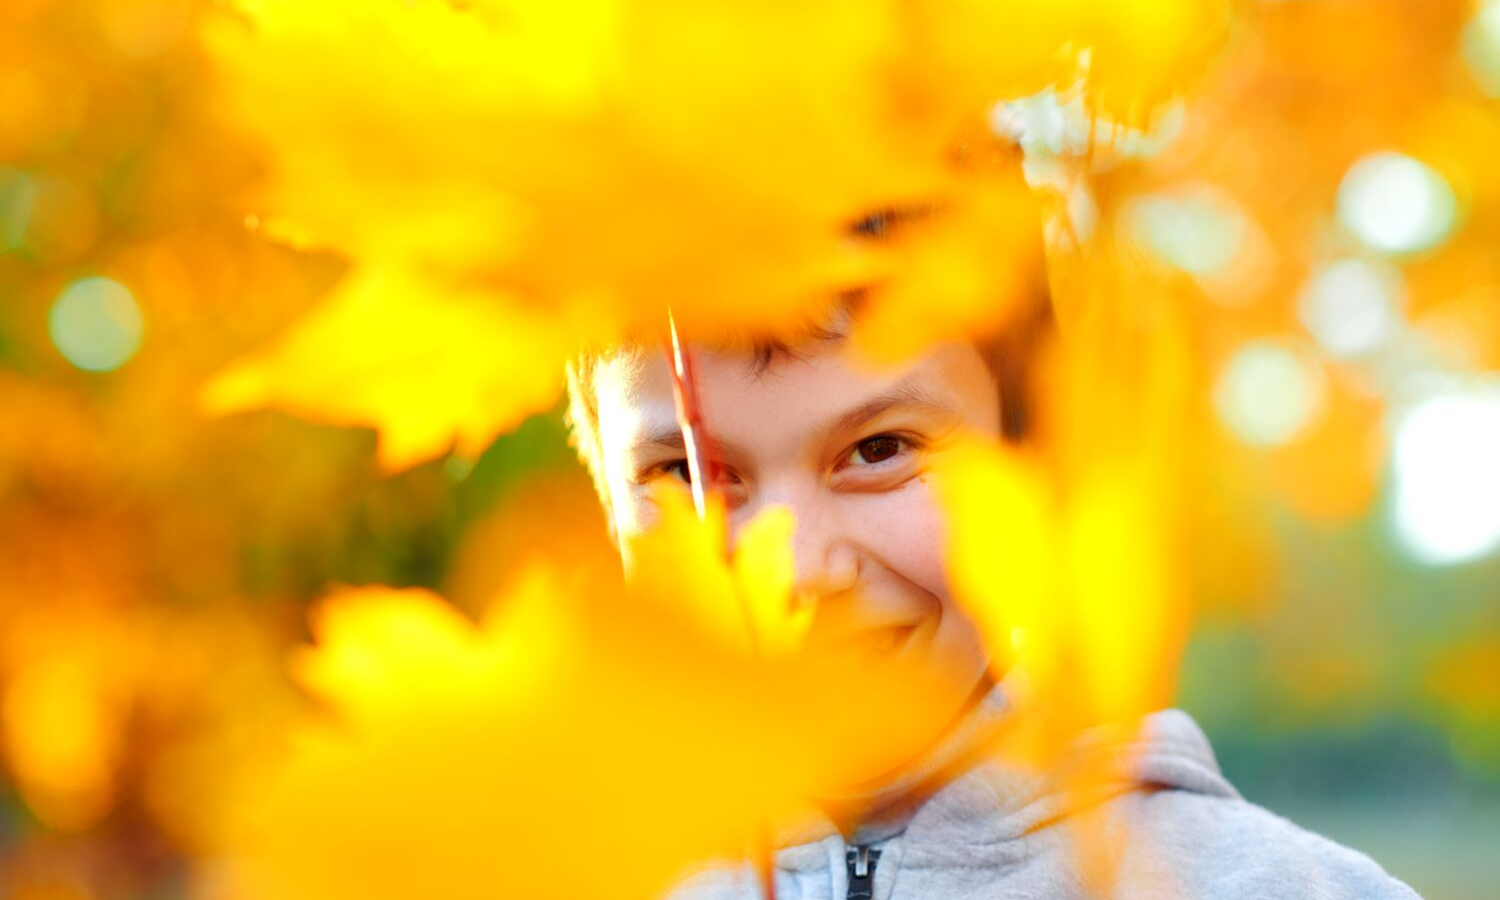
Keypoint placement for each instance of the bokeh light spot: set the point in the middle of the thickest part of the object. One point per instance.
(1048, 125)
(1044, 124)
(1351, 306)
(96, 324)
(1268, 393)
(1446, 463)
(1481, 48)
(1396, 204)
(1199, 231)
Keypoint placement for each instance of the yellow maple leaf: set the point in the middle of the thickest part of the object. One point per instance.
(464, 759)
(1069, 551)
(428, 370)
(600, 161)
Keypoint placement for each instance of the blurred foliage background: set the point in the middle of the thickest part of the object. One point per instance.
(1329, 194)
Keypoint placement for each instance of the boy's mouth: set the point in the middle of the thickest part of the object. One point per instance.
(876, 636)
(884, 642)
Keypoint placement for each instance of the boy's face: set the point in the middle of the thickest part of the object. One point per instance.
(847, 449)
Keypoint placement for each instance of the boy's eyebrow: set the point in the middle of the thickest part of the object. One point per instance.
(669, 437)
(905, 395)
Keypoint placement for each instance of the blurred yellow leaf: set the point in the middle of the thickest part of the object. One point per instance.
(1002, 550)
(765, 570)
(590, 164)
(1147, 52)
(63, 740)
(1069, 550)
(427, 370)
(475, 760)
(965, 268)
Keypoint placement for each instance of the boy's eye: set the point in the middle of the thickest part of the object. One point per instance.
(876, 450)
(677, 468)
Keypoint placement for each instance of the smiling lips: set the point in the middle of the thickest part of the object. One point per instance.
(886, 640)
(881, 642)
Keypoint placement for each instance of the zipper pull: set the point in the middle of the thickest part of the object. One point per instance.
(861, 861)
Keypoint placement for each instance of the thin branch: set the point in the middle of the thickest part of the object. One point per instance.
(703, 472)
(701, 467)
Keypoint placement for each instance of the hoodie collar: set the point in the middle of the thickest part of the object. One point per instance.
(887, 810)
(998, 800)
(956, 792)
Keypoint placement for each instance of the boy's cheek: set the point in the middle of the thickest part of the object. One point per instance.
(636, 512)
(903, 530)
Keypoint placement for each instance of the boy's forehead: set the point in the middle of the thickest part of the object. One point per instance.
(803, 391)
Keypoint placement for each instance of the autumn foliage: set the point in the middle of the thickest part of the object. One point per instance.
(301, 594)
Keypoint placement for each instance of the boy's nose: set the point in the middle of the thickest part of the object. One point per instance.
(826, 561)
(826, 564)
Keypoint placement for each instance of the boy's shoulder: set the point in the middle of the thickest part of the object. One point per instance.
(1180, 823)
(1214, 846)
(1215, 843)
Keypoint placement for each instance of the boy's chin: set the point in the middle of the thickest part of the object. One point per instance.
(897, 700)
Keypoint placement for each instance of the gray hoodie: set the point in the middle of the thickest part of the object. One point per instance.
(1179, 829)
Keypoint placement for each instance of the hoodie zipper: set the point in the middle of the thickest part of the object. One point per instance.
(861, 861)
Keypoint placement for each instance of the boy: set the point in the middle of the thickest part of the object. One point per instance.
(845, 447)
